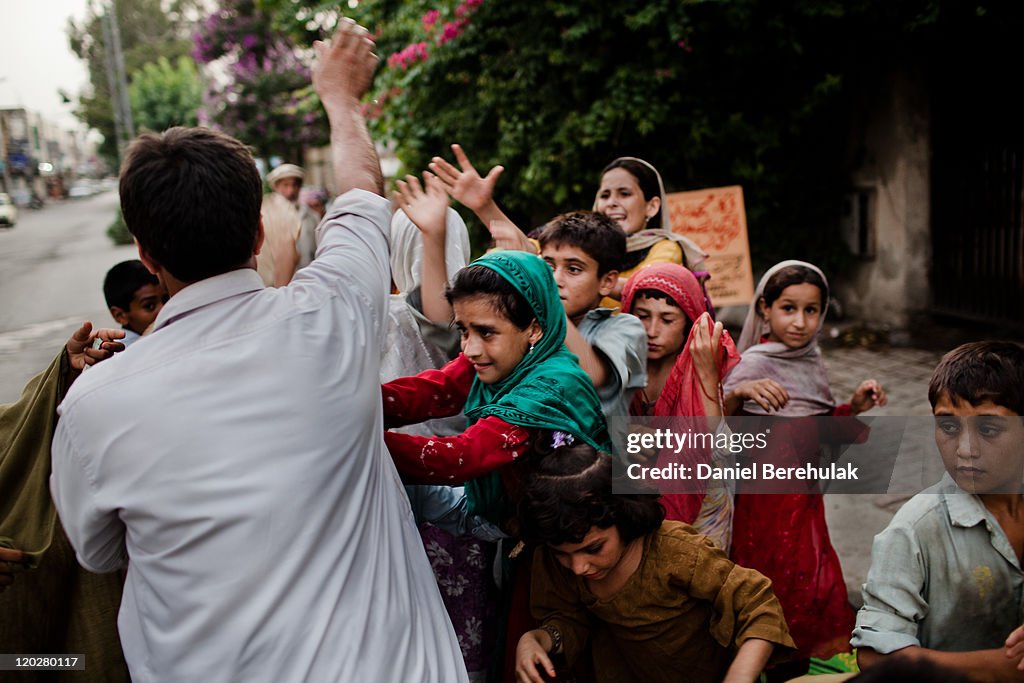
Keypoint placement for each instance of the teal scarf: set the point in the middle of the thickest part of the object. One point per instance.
(547, 389)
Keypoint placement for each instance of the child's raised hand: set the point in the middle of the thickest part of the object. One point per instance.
(868, 395)
(426, 208)
(466, 185)
(706, 351)
(767, 393)
(529, 654)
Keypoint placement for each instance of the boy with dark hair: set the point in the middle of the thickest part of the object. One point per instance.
(134, 297)
(945, 583)
(583, 249)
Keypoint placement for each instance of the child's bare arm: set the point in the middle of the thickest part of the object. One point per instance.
(749, 662)
(427, 208)
(592, 362)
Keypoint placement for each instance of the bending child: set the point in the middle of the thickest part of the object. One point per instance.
(659, 601)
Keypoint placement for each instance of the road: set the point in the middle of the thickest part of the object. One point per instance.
(52, 265)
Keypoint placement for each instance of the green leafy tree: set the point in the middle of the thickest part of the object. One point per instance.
(165, 94)
(150, 29)
(749, 92)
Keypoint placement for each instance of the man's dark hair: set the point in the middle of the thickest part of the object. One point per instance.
(569, 490)
(123, 280)
(474, 281)
(191, 198)
(598, 236)
(981, 371)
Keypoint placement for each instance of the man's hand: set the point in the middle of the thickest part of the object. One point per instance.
(80, 346)
(344, 67)
(466, 185)
(426, 208)
(11, 561)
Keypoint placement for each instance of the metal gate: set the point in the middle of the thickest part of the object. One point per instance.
(976, 209)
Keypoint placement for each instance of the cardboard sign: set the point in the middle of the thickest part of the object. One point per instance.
(716, 220)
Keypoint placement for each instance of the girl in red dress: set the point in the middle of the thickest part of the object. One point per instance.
(785, 536)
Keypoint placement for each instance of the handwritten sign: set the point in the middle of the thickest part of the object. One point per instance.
(716, 220)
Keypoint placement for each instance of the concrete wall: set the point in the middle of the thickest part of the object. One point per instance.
(892, 149)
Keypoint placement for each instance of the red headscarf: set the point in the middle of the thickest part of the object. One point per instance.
(683, 393)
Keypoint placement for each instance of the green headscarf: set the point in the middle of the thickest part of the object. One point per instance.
(547, 389)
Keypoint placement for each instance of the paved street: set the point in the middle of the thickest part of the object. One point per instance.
(52, 265)
(854, 519)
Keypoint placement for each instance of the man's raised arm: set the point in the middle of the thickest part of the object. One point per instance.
(342, 74)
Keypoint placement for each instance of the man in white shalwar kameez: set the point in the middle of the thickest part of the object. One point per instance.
(234, 461)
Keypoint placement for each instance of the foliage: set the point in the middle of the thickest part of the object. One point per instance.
(118, 231)
(148, 32)
(748, 92)
(267, 99)
(165, 94)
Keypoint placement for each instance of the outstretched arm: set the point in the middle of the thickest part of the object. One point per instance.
(342, 74)
(428, 210)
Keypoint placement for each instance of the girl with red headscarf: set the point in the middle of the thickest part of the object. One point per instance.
(687, 355)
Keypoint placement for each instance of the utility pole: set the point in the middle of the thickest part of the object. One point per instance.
(117, 81)
(122, 79)
(115, 99)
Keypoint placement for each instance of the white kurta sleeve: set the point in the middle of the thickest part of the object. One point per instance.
(96, 534)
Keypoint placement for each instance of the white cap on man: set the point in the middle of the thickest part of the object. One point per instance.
(285, 171)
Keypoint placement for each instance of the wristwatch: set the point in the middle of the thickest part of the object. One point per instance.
(556, 638)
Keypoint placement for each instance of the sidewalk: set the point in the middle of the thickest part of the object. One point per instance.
(854, 520)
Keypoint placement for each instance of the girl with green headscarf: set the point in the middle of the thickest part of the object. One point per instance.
(513, 378)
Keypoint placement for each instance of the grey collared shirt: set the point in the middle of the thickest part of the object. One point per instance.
(621, 339)
(943, 576)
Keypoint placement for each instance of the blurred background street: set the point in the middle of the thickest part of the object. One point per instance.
(51, 279)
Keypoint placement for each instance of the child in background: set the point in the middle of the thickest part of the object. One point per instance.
(685, 364)
(631, 193)
(785, 536)
(659, 601)
(945, 583)
(134, 297)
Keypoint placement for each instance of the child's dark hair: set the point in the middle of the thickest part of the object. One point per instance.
(123, 280)
(656, 294)
(598, 236)
(568, 490)
(646, 178)
(981, 371)
(482, 281)
(793, 275)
